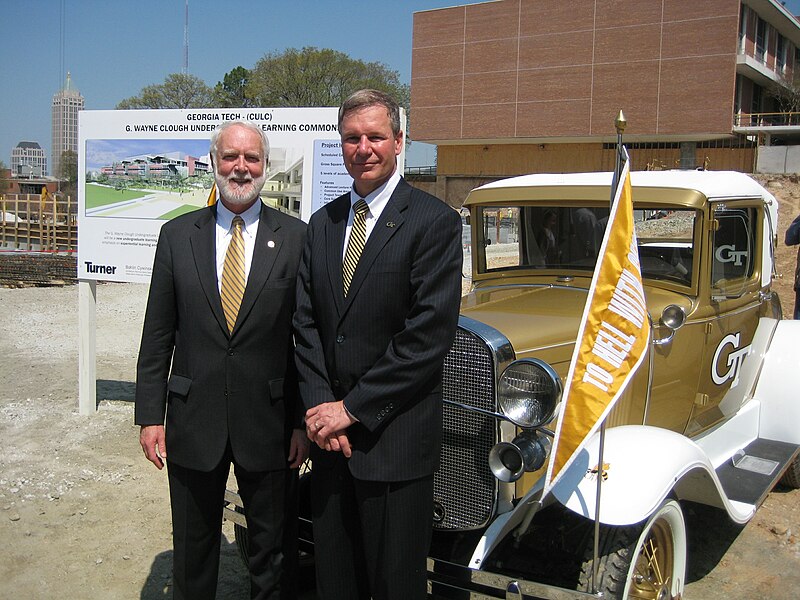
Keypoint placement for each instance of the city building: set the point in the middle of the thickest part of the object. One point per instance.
(525, 86)
(66, 104)
(11, 185)
(28, 160)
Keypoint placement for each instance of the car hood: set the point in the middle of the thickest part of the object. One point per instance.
(540, 320)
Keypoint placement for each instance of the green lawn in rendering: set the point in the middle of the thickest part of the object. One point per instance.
(100, 195)
(176, 212)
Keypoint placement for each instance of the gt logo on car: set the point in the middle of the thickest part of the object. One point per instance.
(734, 362)
(726, 254)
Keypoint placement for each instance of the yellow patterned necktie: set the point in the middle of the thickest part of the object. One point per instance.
(355, 244)
(233, 275)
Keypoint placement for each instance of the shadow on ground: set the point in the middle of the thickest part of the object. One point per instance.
(109, 389)
(233, 583)
(710, 534)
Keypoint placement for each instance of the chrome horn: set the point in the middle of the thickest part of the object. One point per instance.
(528, 452)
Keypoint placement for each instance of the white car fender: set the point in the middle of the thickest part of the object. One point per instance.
(641, 466)
(778, 386)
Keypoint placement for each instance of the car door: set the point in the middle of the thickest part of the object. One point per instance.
(734, 306)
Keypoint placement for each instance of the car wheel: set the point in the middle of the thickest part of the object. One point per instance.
(791, 478)
(644, 561)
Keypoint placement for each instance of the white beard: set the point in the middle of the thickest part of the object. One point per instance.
(235, 194)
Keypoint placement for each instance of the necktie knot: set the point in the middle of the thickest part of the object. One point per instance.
(360, 208)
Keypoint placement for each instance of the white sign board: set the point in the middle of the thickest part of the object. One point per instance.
(140, 168)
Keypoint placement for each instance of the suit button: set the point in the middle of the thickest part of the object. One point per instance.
(339, 339)
(336, 383)
(230, 352)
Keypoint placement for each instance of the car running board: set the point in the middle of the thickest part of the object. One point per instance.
(754, 470)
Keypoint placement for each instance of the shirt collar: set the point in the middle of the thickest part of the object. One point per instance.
(250, 216)
(379, 197)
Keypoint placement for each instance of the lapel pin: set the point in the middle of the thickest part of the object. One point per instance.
(271, 244)
(390, 224)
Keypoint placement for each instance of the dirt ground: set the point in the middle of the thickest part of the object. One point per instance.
(83, 515)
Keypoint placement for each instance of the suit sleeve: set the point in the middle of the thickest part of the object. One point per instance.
(314, 384)
(416, 352)
(158, 339)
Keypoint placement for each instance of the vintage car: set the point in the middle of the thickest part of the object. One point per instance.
(711, 416)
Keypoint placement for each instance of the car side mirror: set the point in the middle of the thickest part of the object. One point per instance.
(672, 317)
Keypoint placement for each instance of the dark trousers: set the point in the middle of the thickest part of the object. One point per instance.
(371, 538)
(270, 505)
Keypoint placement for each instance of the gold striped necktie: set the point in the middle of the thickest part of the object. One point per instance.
(355, 244)
(233, 274)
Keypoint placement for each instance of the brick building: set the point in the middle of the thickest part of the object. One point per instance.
(517, 86)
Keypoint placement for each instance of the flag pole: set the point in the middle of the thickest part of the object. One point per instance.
(619, 124)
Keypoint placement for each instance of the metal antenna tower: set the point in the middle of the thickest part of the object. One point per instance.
(61, 42)
(186, 39)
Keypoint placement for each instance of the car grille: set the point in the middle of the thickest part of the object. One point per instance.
(464, 487)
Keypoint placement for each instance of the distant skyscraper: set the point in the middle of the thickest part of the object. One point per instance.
(66, 104)
(28, 159)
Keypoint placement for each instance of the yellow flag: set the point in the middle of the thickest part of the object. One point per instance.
(212, 195)
(612, 340)
(44, 194)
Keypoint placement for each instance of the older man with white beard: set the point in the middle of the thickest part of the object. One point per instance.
(216, 383)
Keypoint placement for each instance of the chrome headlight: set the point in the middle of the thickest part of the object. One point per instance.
(528, 392)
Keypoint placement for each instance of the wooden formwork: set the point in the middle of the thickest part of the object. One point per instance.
(30, 223)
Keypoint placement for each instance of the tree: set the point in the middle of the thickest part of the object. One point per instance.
(177, 91)
(68, 173)
(231, 92)
(786, 94)
(318, 77)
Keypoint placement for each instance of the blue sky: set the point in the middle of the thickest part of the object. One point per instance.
(114, 49)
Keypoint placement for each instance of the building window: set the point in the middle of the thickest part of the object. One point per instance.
(755, 106)
(780, 55)
(744, 13)
(761, 40)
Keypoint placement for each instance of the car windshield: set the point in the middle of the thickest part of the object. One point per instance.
(569, 238)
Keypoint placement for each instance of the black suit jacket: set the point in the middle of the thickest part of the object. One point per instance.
(213, 386)
(381, 349)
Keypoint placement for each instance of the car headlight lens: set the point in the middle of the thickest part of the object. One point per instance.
(528, 392)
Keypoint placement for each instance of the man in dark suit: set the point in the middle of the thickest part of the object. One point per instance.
(793, 239)
(216, 359)
(377, 309)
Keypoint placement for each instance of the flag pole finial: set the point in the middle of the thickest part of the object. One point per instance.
(620, 123)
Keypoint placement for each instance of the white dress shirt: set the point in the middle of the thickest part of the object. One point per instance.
(224, 231)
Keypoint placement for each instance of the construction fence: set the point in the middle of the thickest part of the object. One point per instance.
(38, 240)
